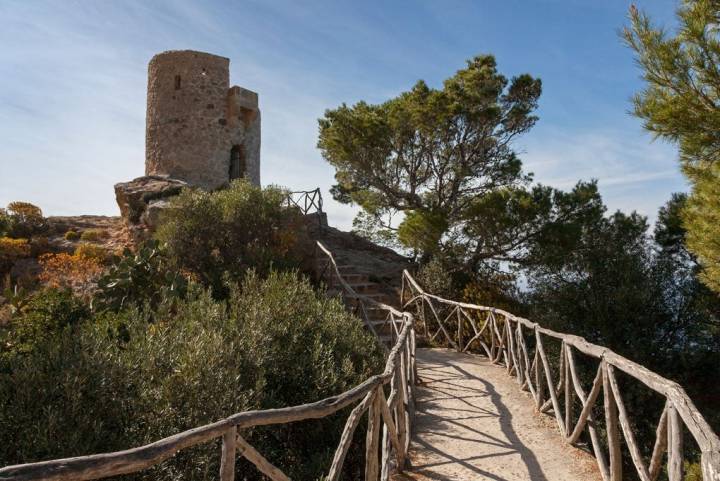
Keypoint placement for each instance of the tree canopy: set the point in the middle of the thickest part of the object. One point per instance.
(444, 160)
(428, 153)
(681, 103)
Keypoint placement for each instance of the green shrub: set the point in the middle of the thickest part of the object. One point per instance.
(220, 235)
(6, 223)
(94, 235)
(26, 219)
(141, 277)
(92, 251)
(72, 235)
(434, 277)
(42, 317)
(11, 250)
(131, 378)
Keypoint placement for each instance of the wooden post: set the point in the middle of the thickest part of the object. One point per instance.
(539, 383)
(568, 390)
(262, 464)
(675, 448)
(401, 411)
(611, 424)
(519, 359)
(227, 459)
(710, 462)
(413, 343)
(385, 455)
(459, 330)
(424, 319)
(551, 386)
(372, 440)
(660, 445)
(491, 326)
(346, 438)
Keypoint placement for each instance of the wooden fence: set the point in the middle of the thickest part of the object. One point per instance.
(388, 428)
(519, 345)
(308, 201)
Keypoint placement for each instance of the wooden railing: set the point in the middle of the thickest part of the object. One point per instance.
(308, 201)
(390, 415)
(360, 305)
(518, 344)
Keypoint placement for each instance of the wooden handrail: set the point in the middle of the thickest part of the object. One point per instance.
(308, 201)
(399, 368)
(508, 347)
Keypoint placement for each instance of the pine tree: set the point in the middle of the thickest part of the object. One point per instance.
(681, 103)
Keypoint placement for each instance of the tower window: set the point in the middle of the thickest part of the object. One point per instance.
(237, 162)
(177, 82)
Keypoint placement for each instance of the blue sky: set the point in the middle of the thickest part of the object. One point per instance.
(73, 80)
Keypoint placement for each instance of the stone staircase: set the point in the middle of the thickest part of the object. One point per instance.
(372, 271)
(376, 318)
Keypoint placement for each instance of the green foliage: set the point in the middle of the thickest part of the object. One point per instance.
(524, 226)
(6, 223)
(614, 285)
(142, 277)
(679, 104)
(429, 151)
(436, 278)
(367, 226)
(131, 378)
(72, 235)
(92, 251)
(422, 231)
(220, 235)
(702, 220)
(42, 317)
(12, 250)
(25, 219)
(669, 231)
(94, 235)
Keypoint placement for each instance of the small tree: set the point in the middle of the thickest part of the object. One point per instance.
(681, 103)
(26, 219)
(429, 152)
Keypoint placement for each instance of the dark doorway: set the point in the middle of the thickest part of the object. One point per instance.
(237, 162)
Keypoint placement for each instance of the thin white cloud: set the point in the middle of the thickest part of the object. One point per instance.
(633, 173)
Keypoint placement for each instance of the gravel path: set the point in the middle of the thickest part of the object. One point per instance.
(474, 423)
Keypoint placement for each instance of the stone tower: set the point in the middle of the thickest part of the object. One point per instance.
(198, 128)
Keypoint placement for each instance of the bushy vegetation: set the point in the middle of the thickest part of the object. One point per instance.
(93, 235)
(143, 276)
(76, 272)
(72, 235)
(217, 236)
(211, 319)
(92, 251)
(11, 250)
(72, 384)
(22, 220)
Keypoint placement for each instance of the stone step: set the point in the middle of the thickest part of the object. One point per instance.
(377, 297)
(386, 339)
(358, 285)
(353, 278)
(381, 327)
(365, 287)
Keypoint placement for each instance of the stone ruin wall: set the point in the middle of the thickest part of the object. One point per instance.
(194, 120)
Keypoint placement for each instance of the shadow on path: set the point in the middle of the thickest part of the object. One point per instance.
(464, 431)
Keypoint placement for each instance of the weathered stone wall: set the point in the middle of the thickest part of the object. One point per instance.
(194, 119)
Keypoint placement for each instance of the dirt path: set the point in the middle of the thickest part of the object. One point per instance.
(474, 423)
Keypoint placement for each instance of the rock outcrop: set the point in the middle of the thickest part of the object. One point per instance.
(141, 200)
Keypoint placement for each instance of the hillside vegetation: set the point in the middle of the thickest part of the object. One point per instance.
(181, 334)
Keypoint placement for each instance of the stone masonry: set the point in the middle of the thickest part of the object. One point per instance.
(198, 129)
